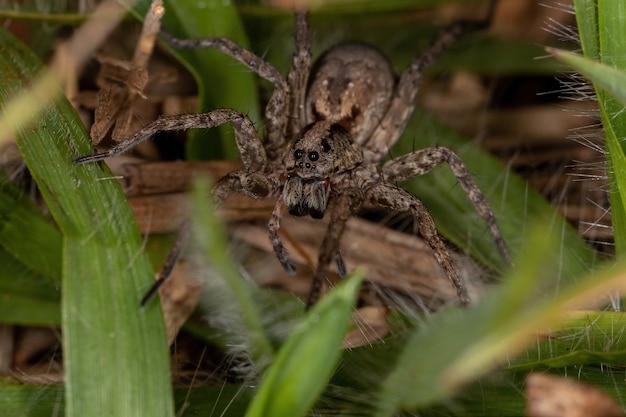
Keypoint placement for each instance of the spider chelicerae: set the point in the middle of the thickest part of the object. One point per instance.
(326, 132)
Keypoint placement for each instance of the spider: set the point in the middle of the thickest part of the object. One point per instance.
(326, 132)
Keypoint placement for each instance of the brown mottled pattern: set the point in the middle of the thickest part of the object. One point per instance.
(330, 162)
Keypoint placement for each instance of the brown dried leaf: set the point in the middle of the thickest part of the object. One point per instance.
(371, 325)
(121, 82)
(551, 396)
(179, 297)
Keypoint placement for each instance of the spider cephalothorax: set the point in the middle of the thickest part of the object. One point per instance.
(324, 140)
(350, 89)
(321, 151)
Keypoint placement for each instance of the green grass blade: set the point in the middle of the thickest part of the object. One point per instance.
(211, 239)
(48, 400)
(587, 23)
(616, 170)
(30, 277)
(457, 346)
(27, 297)
(305, 362)
(586, 338)
(19, 217)
(611, 21)
(31, 400)
(601, 26)
(608, 78)
(115, 355)
(29, 311)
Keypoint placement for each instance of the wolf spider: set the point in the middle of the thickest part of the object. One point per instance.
(326, 132)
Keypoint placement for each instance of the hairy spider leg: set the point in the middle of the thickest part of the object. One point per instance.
(346, 204)
(422, 161)
(284, 113)
(394, 198)
(170, 262)
(279, 248)
(405, 98)
(251, 184)
(277, 243)
(275, 112)
(386, 134)
(298, 77)
(252, 155)
(249, 144)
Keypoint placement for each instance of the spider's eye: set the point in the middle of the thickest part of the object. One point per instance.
(298, 153)
(314, 156)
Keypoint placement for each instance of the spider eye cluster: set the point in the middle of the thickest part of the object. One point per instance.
(321, 149)
(312, 156)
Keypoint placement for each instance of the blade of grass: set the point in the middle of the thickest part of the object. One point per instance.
(456, 346)
(587, 23)
(305, 362)
(115, 355)
(587, 337)
(31, 400)
(606, 77)
(611, 21)
(19, 217)
(27, 297)
(434, 361)
(600, 26)
(47, 400)
(30, 276)
(211, 239)
(616, 172)
(29, 311)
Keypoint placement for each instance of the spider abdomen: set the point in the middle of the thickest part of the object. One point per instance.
(351, 85)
